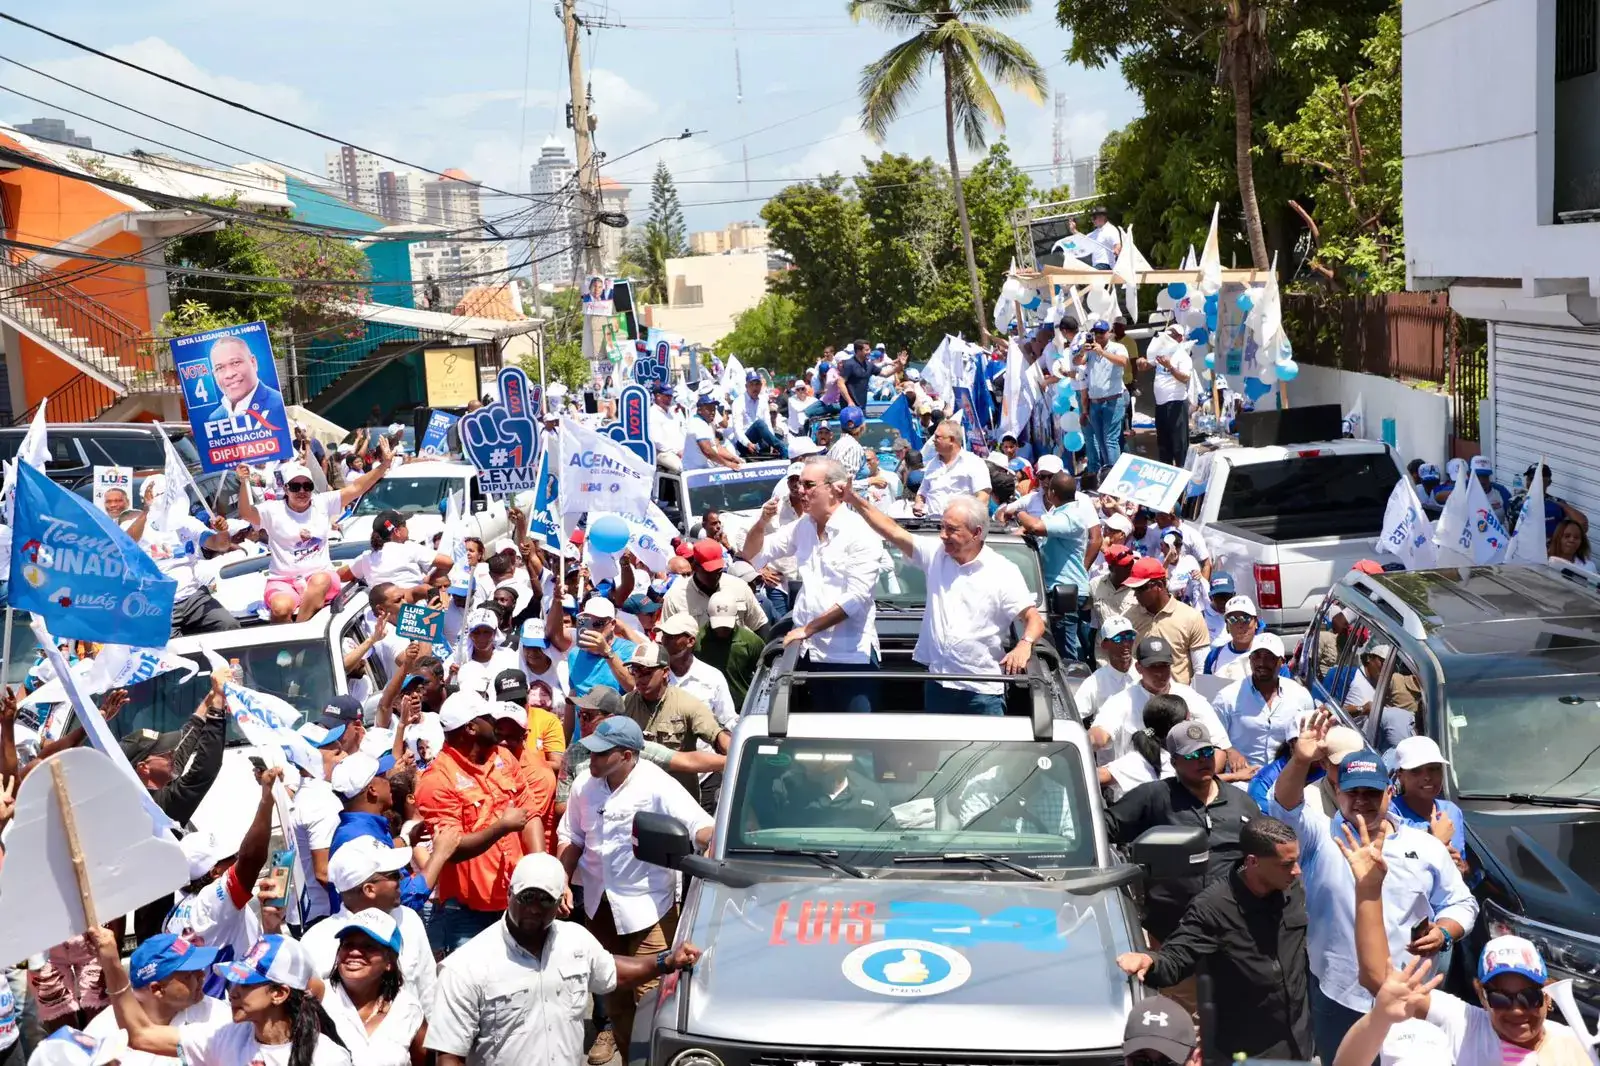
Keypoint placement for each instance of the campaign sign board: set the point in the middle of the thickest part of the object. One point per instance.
(436, 438)
(113, 479)
(502, 439)
(230, 385)
(418, 622)
(1146, 483)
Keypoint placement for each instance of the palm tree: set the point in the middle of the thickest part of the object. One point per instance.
(1243, 61)
(953, 33)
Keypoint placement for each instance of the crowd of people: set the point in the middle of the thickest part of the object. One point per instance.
(464, 888)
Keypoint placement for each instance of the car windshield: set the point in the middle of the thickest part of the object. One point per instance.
(878, 436)
(732, 490)
(903, 585)
(408, 495)
(1310, 486)
(1535, 735)
(874, 800)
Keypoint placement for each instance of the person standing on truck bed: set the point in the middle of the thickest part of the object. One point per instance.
(1062, 555)
(1156, 613)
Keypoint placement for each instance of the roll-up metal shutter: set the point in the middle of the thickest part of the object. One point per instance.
(1545, 385)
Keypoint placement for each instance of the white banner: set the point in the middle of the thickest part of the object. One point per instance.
(1468, 533)
(117, 666)
(599, 475)
(1407, 533)
(1528, 543)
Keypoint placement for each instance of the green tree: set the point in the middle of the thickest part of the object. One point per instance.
(663, 236)
(666, 213)
(822, 228)
(767, 335)
(563, 362)
(955, 35)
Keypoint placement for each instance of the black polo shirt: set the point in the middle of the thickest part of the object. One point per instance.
(856, 374)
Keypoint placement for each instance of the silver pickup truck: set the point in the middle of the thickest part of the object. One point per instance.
(900, 888)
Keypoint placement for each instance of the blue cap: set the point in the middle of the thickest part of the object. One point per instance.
(274, 960)
(617, 731)
(533, 633)
(1362, 769)
(851, 417)
(1428, 472)
(1100, 326)
(661, 388)
(1511, 954)
(164, 955)
(1222, 585)
(321, 736)
(752, 375)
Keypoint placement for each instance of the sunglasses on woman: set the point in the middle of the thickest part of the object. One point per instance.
(299, 486)
(1527, 999)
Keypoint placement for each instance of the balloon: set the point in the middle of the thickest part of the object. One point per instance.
(1177, 290)
(608, 534)
(1073, 442)
(1211, 360)
(1211, 302)
(1288, 371)
(1199, 335)
(1246, 302)
(1211, 319)
(1061, 401)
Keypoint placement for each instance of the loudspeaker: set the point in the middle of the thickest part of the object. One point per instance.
(1298, 425)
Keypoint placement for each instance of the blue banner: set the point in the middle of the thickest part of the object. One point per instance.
(982, 398)
(545, 520)
(75, 569)
(230, 384)
(898, 416)
(436, 438)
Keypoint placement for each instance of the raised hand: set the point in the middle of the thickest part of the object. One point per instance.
(1364, 853)
(1312, 744)
(632, 427)
(1404, 992)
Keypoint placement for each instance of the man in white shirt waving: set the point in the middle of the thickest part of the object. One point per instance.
(1107, 240)
(751, 421)
(952, 472)
(1169, 357)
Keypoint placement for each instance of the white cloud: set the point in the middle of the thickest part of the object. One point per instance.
(841, 151)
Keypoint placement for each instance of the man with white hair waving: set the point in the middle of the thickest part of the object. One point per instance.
(974, 595)
(952, 472)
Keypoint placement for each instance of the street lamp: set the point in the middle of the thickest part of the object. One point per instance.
(684, 136)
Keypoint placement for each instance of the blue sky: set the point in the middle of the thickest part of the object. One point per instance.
(467, 85)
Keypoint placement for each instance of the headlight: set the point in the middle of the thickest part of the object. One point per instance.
(1566, 954)
(695, 1057)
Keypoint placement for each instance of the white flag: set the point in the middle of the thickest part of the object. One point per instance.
(1529, 544)
(1407, 532)
(117, 666)
(598, 475)
(34, 450)
(651, 539)
(732, 381)
(937, 379)
(265, 720)
(1468, 533)
(1356, 420)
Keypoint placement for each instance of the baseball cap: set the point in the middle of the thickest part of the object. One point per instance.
(1119, 522)
(143, 743)
(376, 924)
(1413, 752)
(1481, 465)
(1269, 642)
(413, 679)
(1221, 585)
(355, 772)
(599, 607)
(708, 555)
(482, 618)
(752, 375)
(321, 736)
(202, 851)
(617, 731)
(1239, 605)
(722, 611)
(1144, 571)
(1115, 626)
(1511, 954)
(800, 447)
(794, 470)
(1362, 769)
(851, 417)
(742, 571)
(1153, 651)
(510, 686)
(1188, 738)
(1428, 472)
(511, 712)
(998, 459)
(1049, 464)
(1161, 1025)
(164, 955)
(679, 625)
(661, 388)
(459, 708)
(541, 871)
(360, 860)
(1101, 326)
(289, 471)
(533, 633)
(648, 654)
(501, 545)
(706, 399)
(602, 698)
(1380, 650)
(1342, 740)
(342, 709)
(1117, 553)
(274, 960)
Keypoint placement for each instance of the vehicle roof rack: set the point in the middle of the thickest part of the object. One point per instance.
(1392, 604)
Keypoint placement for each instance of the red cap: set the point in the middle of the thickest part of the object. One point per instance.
(1369, 566)
(577, 537)
(684, 549)
(1117, 553)
(708, 555)
(1143, 572)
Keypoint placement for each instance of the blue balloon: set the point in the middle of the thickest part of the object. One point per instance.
(1288, 371)
(1211, 319)
(1200, 335)
(1061, 401)
(1255, 388)
(1245, 302)
(1177, 290)
(608, 534)
(1211, 360)
(1211, 302)
(1073, 441)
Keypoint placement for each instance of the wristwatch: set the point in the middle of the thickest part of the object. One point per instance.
(663, 962)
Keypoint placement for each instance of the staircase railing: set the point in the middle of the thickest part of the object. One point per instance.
(90, 323)
(81, 399)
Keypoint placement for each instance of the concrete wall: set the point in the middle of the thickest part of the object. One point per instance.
(1421, 418)
(1479, 142)
(728, 285)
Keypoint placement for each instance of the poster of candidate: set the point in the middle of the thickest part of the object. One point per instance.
(230, 384)
(597, 296)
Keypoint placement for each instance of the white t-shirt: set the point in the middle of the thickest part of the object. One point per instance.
(1123, 715)
(556, 677)
(696, 430)
(213, 918)
(1133, 770)
(1167, 387)
(1471, 1035)
(176, 552)
(417, 967)
(316, 809)
(390, 1043)
(298, 540)
(966, 475)
(479, 677)
(406, 565)
(208, 1013)
(1106, 239)
(1099, 687)
(235, 1044)
(969, 613)
(665, 429)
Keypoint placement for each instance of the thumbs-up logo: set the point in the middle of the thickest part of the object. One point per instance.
(632, 427)
(908, 971)
(502, 439)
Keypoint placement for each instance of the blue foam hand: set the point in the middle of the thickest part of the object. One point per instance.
(632, 428)
(504, 435)
(651, 368)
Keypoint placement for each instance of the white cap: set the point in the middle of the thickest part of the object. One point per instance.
(681, 624)
(800, 447)
(1114, 626)
(1413, 752)
(998, 458)
(722, 610)
(542, 871)
(599, 607)
(203, 850)
(1119, 522)
(360, 860)
(795, 470)
(1382, 651)
(291, 470)
(376, 924)
(355, 772)
(512, 712)
(482, 617)
(1049, 464)
(1267, 642)
(1240, 605)
(459, 708)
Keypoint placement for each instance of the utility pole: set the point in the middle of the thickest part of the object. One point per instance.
(582, 128)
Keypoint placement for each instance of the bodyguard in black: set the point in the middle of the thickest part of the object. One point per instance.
(1194, 797)
(1248, 931)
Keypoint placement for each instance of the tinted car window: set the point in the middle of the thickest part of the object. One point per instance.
(139, 450)
(1316, 486)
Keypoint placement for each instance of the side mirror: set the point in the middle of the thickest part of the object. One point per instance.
(1169, 851)
(1062, 600)
(660, 840)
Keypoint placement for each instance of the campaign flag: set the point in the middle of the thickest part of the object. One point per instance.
(600, 474)
(1529, 544)
(650, 536)
(180, 487)
(1355, 423)
(75, 568)
(982, 398)
(1017, 406)
(1146, 482)
(95, 728)
(1407, 532)
(230, 385)
(436, 438)
(265, 720)
(545, 518)
(117, 666)
(937, 379)
(1468, 533)
(731, 384)
(502, 440)
(899, 417)
(1077, 246)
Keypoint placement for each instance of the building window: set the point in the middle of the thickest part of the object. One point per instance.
(1577, 22)
(690, 296)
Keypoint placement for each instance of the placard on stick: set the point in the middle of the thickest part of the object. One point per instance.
(417, 622)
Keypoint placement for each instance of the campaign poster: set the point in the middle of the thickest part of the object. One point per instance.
(436, 438)
(109, 481)
(230, 384)
(419, 622)
(597, 296)
(1146, 482)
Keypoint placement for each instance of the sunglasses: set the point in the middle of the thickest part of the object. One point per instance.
(1527, 999)
(299, 486)
(640, 668)
(1203, 753)
(1237, 619)
(1122, 638)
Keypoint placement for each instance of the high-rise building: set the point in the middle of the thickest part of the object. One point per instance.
(452, 268)
(613, 200)
(1083, 176)
(53, 129)
(734, 237)
(357, 173)
(452, 200)
(400, 197)
(552, 182)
